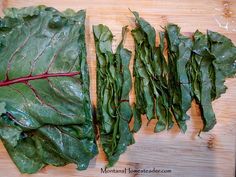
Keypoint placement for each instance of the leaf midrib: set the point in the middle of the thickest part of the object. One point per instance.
(25, 79)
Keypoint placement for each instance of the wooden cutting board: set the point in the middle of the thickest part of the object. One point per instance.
(211, 154)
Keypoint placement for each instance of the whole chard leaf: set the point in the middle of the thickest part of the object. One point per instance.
(44, 89)
(113, 87)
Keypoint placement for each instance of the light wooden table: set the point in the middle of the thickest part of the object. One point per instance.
(186, 155)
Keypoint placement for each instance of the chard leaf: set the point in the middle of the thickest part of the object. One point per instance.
(44, 89)
(137, 120)
(113, 87)
(147, 29)
(224, 64)
(151, 77)
(195, 69)
(213, 61)
(179, 54)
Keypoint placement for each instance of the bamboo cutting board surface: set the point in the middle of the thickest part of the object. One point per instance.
(211, 154)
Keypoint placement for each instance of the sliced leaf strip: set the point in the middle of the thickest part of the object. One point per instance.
(113, 87)
(213, 61)
(195, 69)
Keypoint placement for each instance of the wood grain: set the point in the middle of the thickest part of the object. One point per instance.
(211, 154)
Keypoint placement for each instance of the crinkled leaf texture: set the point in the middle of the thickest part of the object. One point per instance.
(113, 86)
(162, 88)
(179, 55)
(213, 61)
(195, 69)
(44, 89)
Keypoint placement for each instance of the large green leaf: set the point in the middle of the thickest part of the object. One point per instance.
(44, 88)
(113, 87)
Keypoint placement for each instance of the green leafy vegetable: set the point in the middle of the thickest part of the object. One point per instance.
(213, 60)
(44, 89)
(113, 86)
(195, 69)
(179, 54)
(45, 109)
(151, 77)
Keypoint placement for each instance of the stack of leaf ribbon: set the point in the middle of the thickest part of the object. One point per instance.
(45, 108)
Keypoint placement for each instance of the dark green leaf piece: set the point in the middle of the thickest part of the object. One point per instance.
(113, 87)
(179, 54)
(162, 88)
(195, 69)
(45, 107)
(213, 61)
